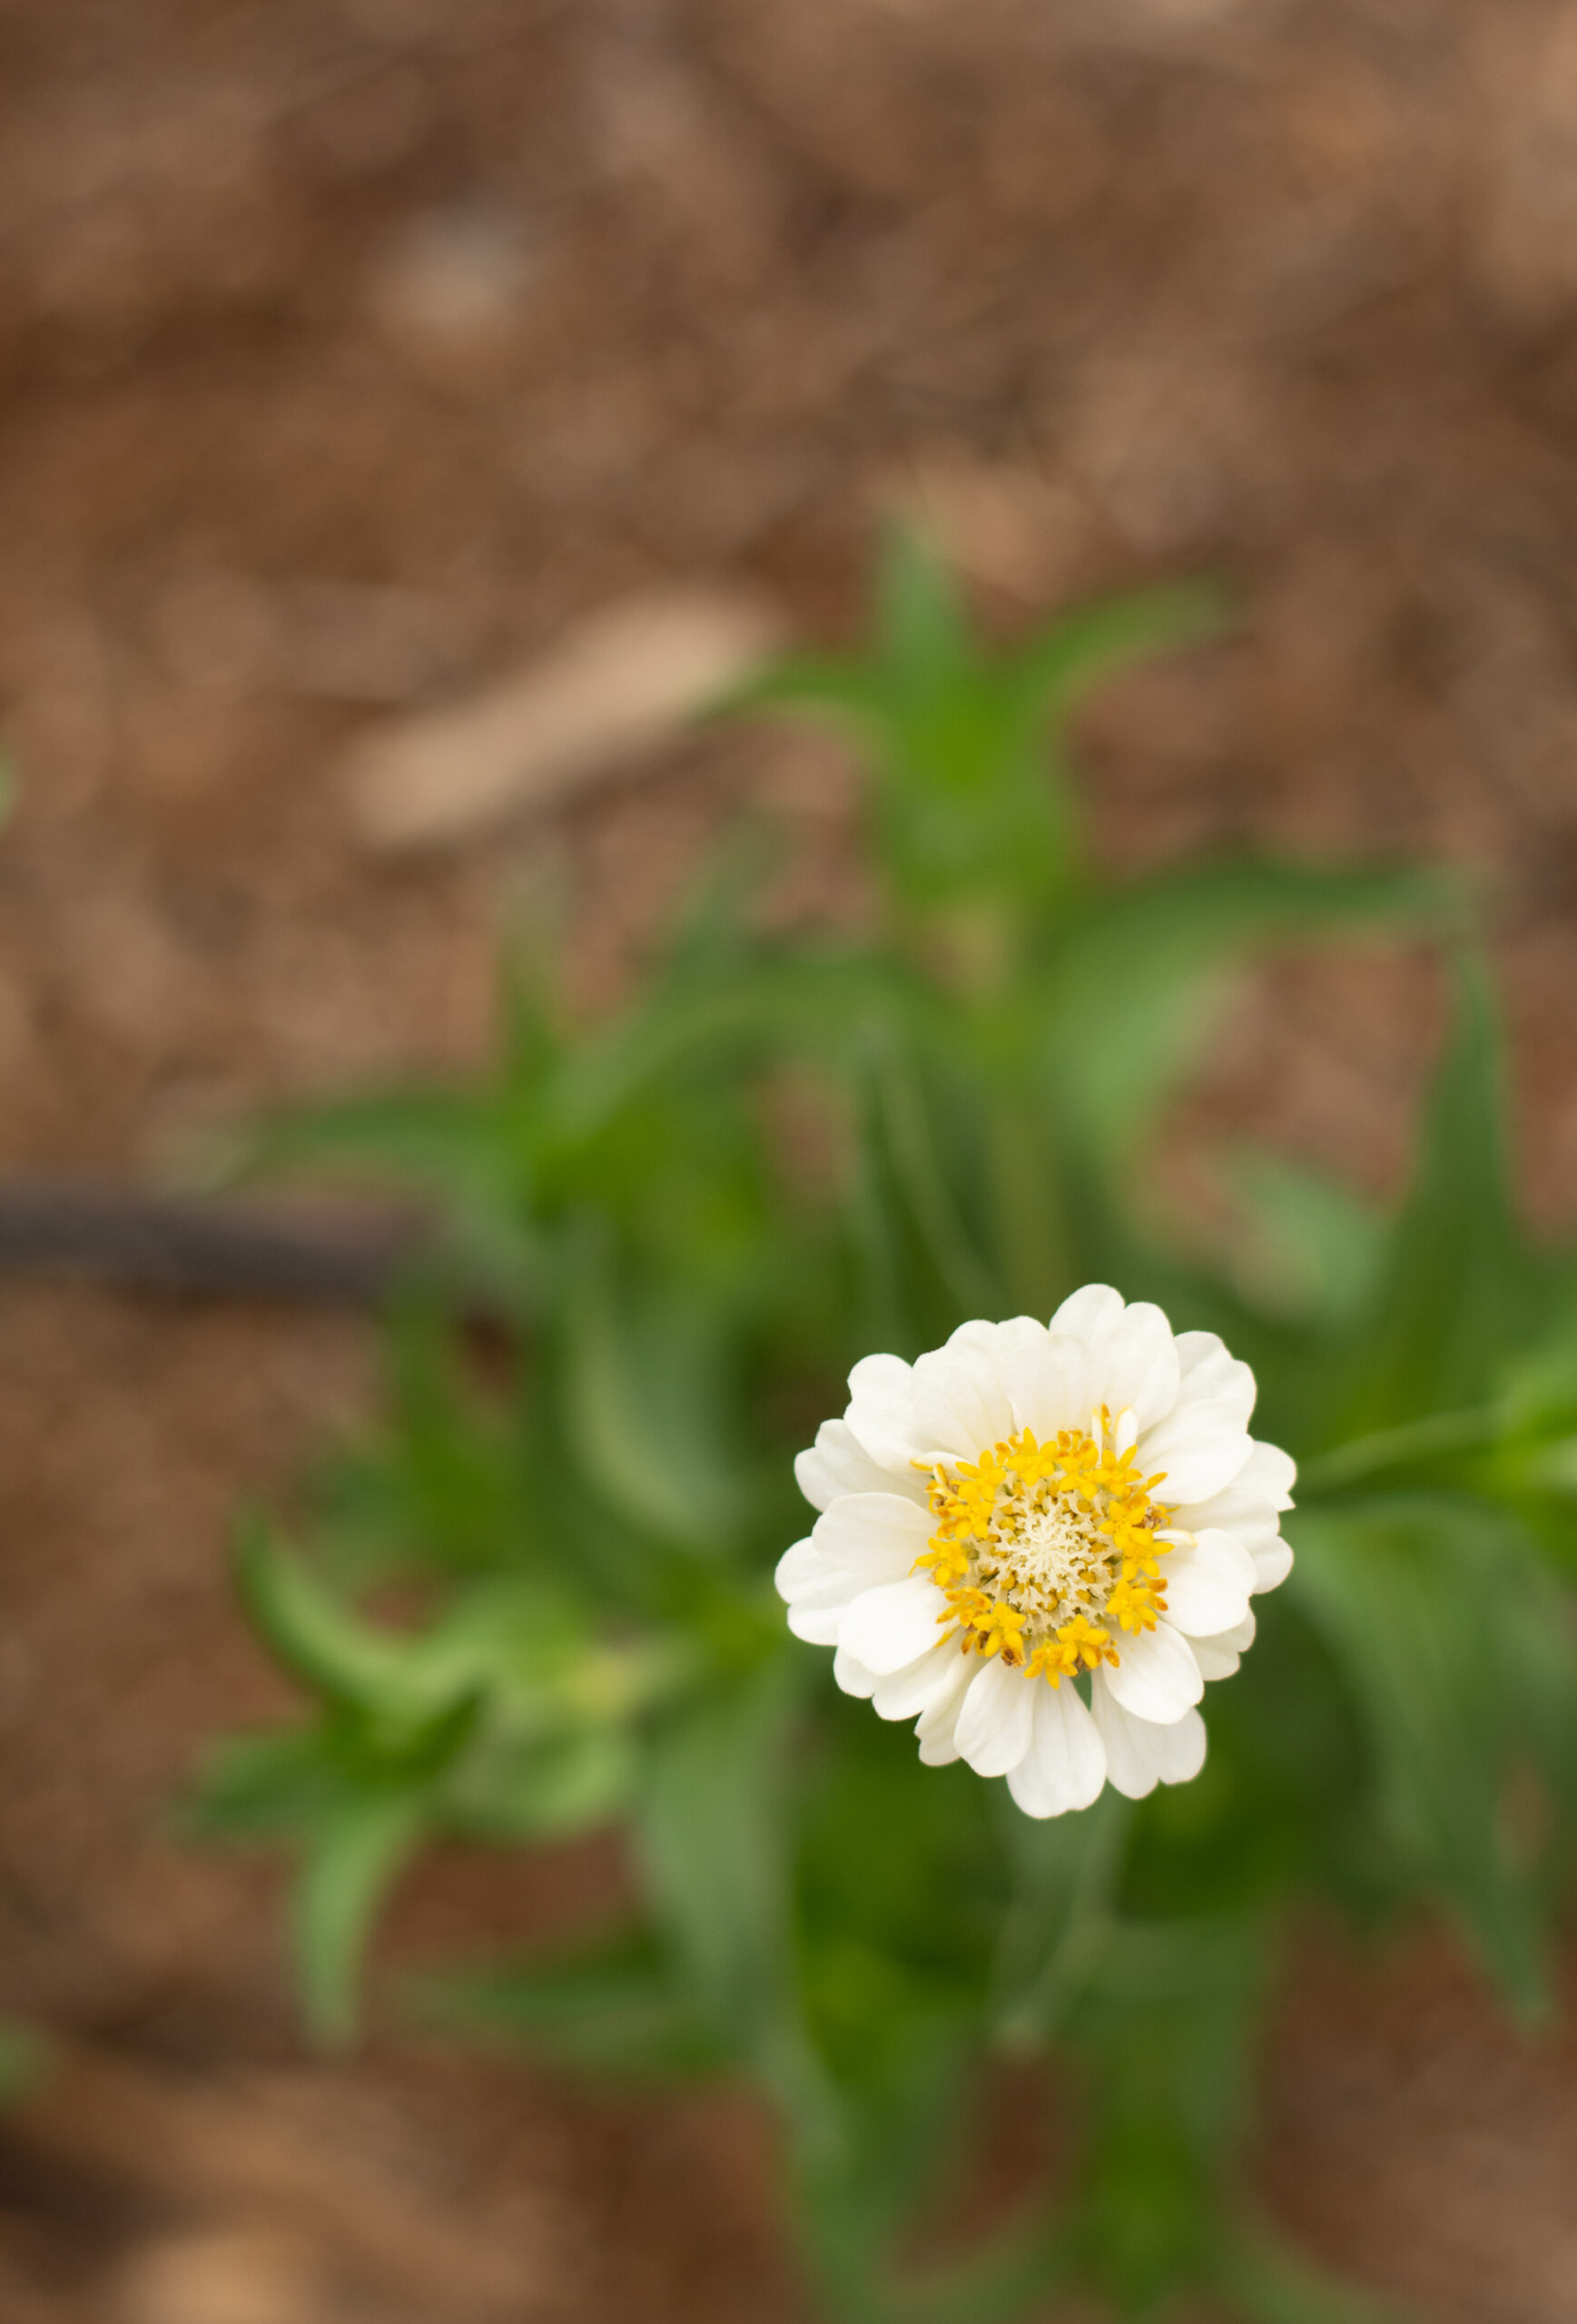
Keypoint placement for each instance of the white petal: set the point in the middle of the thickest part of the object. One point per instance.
(1134, 1365)
(1249, 1508)
(1208, 1583)
(881, 1413)
(817, 1623)
(877, 1535)
(1050, 1383)
(817, 1592)
(884, 1629)
(1272, 1471)
(1210, 1375)
(838, 1463)
(1272, 1564)
(995, 1724)
(997, 1340)
(1065, 1764)
(1128, 1767)
(1218, 1656)
(960, 1406)
(1253, 1527)
(907, 1693)
(1198, 1449)
(1087, 1313)
(860, 1542)
(1140, 1754)
(800, 1568)
(1019, 1333)
(1158, 1678)
(938, 1722)
(853, 1677)
(1012, 1345)
(1250, 1505)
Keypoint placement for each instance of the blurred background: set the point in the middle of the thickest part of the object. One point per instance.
(406, 408)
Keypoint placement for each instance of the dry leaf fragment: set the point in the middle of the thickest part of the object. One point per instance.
(614, 688)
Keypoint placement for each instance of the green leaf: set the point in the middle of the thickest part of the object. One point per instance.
(1060, 1918)
(971, 803)
(427, 1138)
(1257, 2277)
(616, 2009)
(351, 1861)
(642, 1399)
(1304, 1248)
(259, 1787)
(712, 1844)
(1165, 2036)
(711, 1841)
(1457, 1646)
(920, 1175)
(1131, 988)
(324, 1645)
(445, 1484)
(1080, 649)
(23, 2058)
(543, 1787)
(1457, 1289)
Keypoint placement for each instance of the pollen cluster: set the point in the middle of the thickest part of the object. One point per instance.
(1045, 1553)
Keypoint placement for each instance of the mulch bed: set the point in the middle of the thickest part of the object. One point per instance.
(347, 352)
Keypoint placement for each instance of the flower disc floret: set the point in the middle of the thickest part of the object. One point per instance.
(1039, 1541)
(1045, 1552)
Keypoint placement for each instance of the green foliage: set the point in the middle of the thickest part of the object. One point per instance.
(537, 1601)
(23, 2058)
(620, 2007)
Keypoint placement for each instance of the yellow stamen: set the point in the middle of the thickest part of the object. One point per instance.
(1045, 1552)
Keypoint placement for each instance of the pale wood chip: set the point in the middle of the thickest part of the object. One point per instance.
(614, 689)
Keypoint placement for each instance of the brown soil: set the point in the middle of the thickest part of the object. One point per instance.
(350, 348)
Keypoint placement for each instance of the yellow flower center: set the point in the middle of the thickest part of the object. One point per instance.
(1046, 1552)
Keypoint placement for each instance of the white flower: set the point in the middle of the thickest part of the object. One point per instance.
(1027, 1504)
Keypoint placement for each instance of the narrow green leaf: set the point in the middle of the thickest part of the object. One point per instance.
(351, 1861)
(322, 1643)
(1457, 1648)
(617, 2008)
(919, 1172)
(1165, 2035)
(1130, 989)
(711, 1840)
(1261, 2280)
(642, 1401)
(1303, 1247)
(258, 1787)
(1060, 1918)
(23, 2058)
(1457, 1287)
(1080, 648)
(424, 1137)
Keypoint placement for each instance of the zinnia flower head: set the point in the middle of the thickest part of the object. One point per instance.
(1028, 1505)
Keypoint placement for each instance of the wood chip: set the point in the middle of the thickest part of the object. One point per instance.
(237, 2150)
(614, 690)
(222, 2276)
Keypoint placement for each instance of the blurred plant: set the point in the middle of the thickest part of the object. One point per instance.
(589, 1525)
